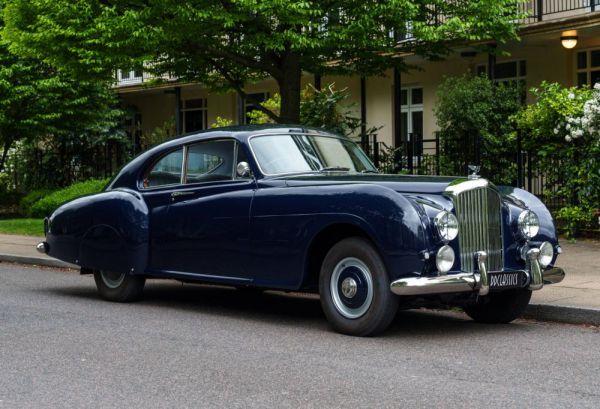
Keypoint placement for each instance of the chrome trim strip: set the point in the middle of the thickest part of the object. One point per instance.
(537, 278)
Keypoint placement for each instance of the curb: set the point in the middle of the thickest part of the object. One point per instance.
(38, 261)
(563, 313)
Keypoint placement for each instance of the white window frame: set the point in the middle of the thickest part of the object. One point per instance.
(409, 108)
(588, 65)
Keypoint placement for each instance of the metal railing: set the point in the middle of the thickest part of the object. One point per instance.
(543, 10)
(128, 78)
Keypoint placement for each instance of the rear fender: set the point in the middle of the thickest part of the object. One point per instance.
(106, 231)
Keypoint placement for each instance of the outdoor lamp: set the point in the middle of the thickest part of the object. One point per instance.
(568, 39)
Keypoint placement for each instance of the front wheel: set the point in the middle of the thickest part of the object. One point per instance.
(498, 308)
(119, 286)
(355, 289)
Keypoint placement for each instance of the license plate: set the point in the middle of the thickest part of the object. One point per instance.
(504, 280)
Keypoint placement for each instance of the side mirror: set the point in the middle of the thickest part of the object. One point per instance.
(243, 170)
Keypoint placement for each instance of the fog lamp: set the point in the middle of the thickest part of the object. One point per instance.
(444, 259)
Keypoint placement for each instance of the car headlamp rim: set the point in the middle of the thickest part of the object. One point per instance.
(446, 224)
(445, 258)
(528, 223)
(546, 254)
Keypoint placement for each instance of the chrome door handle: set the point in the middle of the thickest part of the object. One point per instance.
(175, 195)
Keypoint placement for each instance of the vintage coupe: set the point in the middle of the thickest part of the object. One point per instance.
(299, 209)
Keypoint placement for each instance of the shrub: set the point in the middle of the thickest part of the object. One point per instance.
(48, 204)
(471, 106)
(563, 128)
(32, 198)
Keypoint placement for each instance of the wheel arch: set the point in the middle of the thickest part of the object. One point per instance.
(322, 242)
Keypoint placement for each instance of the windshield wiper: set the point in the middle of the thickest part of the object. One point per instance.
(334, 169)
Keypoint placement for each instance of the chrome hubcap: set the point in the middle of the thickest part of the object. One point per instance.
(351, 288)
(112, 279)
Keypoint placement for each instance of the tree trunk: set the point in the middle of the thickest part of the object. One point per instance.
(4, 154)
(289, 89)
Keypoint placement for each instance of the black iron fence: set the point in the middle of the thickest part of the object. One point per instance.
(447, 156)
(541, 10)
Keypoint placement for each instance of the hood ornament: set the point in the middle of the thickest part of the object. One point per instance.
(474, 172)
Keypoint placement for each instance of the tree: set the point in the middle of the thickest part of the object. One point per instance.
(225, 44)
(38, 102)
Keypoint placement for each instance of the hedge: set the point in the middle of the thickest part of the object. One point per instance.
(46, 205)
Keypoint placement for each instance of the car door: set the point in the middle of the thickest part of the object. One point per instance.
(200, 226)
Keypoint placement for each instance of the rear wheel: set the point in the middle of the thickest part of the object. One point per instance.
(355, 289)
(117, 286)
(499, 308)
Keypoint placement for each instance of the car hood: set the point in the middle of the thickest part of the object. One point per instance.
(399, 183)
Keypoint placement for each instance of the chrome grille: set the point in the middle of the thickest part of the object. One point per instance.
(479, 221)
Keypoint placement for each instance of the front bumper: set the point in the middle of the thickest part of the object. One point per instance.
(478, 281)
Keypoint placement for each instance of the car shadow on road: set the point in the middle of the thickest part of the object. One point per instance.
(294, 309)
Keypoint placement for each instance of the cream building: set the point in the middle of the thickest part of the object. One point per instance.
(400, 104)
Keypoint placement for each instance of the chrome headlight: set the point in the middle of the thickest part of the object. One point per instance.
(447, 225)
(444, 259)
(546, 254)
(529, 224)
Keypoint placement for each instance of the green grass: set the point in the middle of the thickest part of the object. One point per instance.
(26, 227)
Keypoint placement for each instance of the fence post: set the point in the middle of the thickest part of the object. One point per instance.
(519, 160)
(375, 151)
(437, 153)
(593, 5)
(410, 153)
(540, 10)
(529, 171)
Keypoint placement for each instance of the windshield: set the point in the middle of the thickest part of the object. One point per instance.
(279, 154)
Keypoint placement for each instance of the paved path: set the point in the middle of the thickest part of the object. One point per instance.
(190, 346)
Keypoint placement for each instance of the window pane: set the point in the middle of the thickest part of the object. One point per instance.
(581, 79)
(403, 97)
(194, 120)
(595, 58)
(581, 60)
(481, 70)
(506, 70)
(167, 171)
(417, 96)
(594, 77)
(404, 126)
(210, 161)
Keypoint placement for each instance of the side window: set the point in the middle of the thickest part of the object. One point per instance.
(167, 171)
(210, 161)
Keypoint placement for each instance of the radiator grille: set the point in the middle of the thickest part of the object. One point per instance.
(479, 219)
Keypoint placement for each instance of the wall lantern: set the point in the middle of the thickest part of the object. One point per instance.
(568, 39)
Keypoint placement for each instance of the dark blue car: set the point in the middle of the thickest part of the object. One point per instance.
(300, 209)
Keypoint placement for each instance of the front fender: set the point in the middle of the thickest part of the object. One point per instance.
(106, 231)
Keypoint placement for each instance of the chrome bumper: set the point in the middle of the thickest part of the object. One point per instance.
(478, 281)
(42, 247)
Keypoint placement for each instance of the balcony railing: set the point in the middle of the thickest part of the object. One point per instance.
(545, 10)
(137, 77)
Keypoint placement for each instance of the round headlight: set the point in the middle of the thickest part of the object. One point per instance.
(546, 254)
(529, 224)
(447, 225)
(444, 259)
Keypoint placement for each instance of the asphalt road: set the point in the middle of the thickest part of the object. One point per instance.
(196, 346)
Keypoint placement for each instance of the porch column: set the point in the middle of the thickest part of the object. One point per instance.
(178, 125)
(317, 81)
(363, 114)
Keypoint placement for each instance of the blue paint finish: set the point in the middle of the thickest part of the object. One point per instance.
(260, 231)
